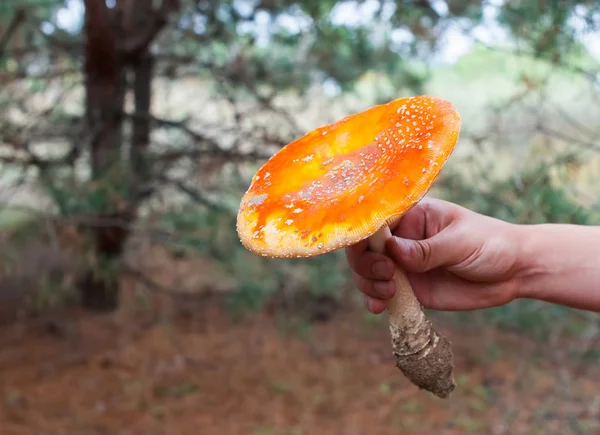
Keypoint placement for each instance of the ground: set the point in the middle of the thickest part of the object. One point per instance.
(210, 374)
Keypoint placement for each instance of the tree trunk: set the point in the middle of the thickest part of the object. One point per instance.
(138, 15)
(142, 70)
(105, 86)
(117, 42)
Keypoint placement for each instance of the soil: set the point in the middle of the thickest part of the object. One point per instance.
(266, 374)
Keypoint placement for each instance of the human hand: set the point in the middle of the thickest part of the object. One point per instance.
(454, 258)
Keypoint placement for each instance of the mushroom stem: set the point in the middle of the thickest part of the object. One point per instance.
(422, 354)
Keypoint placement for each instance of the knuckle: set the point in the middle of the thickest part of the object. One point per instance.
(361, 283)
(424, 252)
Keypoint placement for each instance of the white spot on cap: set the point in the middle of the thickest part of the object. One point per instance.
(289, 222)
(258, 199)
(298, 210)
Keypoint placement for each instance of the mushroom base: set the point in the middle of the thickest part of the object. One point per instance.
(430, 368)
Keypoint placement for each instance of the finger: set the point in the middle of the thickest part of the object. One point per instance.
(412, 224)
(354, 252)
(358, 248)
(369, 264)
(424, 255)
(377, 289)
(426, 219)
(375, 306)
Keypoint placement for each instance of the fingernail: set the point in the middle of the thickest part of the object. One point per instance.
(384, 288)
(382, 269)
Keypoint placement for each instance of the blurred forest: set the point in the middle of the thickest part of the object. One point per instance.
(129, 129)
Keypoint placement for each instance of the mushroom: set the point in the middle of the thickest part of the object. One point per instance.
(347, 181)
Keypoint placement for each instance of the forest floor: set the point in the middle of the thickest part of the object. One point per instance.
(264, 375)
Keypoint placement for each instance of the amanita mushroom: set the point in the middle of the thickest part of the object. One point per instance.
(345, 182)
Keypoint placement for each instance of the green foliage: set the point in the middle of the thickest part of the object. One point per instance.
(51, 291)
(107, 194)
(8, 8)
(298, 38)
(11, 218)
(325, 274)
(545, 28)
(37, 273)
(253, 51)
(248, 298)
(533, 196)
(199, 230)
(211, 232)
(536, 318)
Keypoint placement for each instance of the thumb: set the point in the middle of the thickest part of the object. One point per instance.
(420, 255)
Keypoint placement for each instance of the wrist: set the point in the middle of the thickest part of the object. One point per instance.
(557, 263)
(531, 264)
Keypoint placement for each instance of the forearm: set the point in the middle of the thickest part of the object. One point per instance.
(561, 264)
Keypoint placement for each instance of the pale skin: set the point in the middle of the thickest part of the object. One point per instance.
(459, 260)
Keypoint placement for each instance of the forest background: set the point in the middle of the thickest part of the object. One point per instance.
(129, 129)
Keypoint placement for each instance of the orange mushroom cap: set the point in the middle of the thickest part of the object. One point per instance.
(342, 182)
